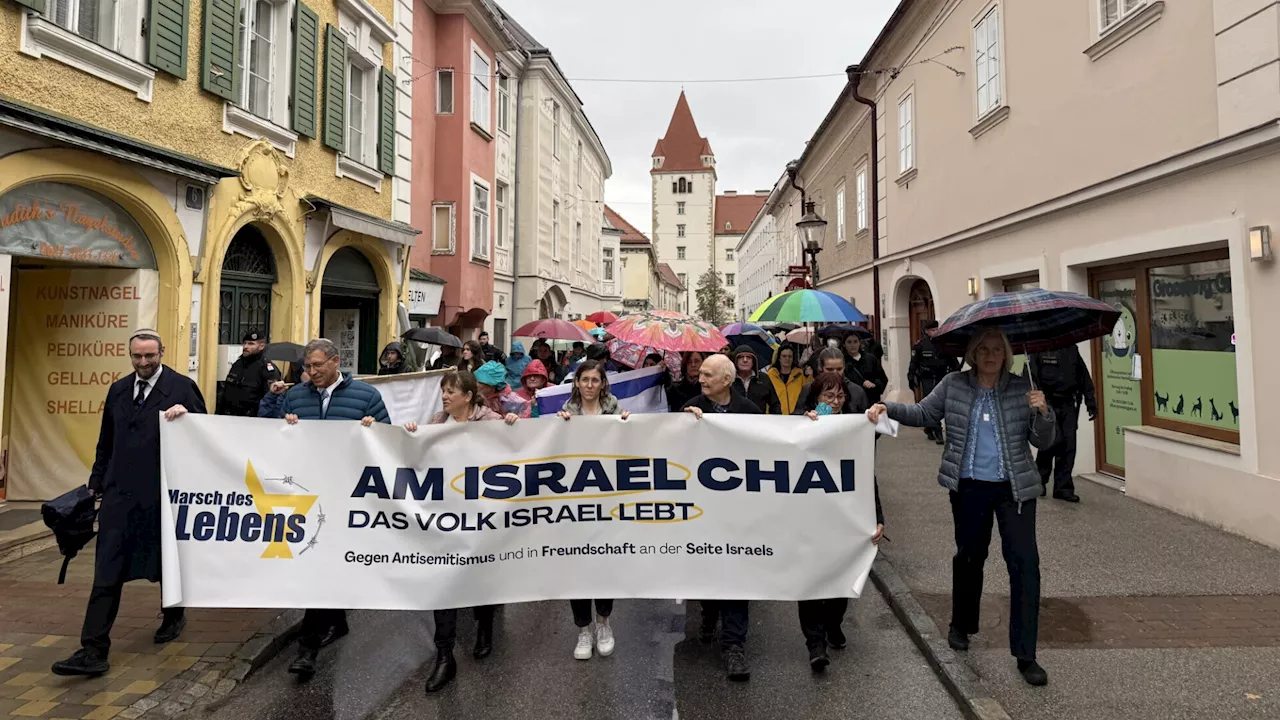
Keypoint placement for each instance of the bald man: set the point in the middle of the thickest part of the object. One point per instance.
(716, 378)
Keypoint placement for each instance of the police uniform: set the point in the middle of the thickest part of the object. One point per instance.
(1064, 379)
(247, 382)
(928, 367)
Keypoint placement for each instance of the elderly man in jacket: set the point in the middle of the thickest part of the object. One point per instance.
(126, 474)
(329, 395)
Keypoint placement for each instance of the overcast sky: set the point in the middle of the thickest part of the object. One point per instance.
(754, 128)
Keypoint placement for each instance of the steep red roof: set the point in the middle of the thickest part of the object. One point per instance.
(669, 276)
(734, 213)
(630, 235)
(682, 147)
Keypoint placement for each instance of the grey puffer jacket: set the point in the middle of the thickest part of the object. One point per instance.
(1020, 427)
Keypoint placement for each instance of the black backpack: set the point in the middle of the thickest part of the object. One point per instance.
(71, 516)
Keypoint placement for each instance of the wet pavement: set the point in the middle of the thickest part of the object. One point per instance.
(658, 672)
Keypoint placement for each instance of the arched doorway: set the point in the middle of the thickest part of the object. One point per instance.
(552, 304)
(248, 272)
(919, 310)
(349, 309)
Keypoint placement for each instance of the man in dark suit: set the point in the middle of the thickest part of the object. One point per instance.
(126, 475)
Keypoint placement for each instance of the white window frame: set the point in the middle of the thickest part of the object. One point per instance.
(680, 252)
(842, 234)
(607, 269)
(481, 218)
(452, 243)
(907, 132)
(680, 230)
(728, 254)
(988, 59)
(248, 20)
(500, 192)
(680, 207)
(504, 103)
(555, 230)
(121, 64)
(729, 279)
(72, 23)
(441, 74)
(481, 89)
(362, 168)
(684, 279)
(860, 197)
(1125, 9)
(237, 118)
(555, 129)
(356, 123)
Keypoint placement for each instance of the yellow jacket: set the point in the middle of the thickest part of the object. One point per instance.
(788, 389)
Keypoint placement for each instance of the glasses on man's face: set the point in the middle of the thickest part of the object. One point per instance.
(149, 357)
(312, 367)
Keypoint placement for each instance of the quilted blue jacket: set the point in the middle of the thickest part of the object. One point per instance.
(352, 400)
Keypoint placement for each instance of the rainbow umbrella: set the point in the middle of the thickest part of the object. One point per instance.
(665, 330)
(803, 306)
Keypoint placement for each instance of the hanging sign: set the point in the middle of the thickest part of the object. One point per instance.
(71, 224)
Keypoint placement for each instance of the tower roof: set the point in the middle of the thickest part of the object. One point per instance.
(682, 147)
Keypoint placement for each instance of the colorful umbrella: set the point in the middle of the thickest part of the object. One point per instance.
(603, 317)
(807, 306)
(665, 330)
(597, 333)
(633, 355)
(1033, 320)
(552, 330)
(585, 325)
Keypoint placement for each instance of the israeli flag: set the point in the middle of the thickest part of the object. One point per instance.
(639, 391)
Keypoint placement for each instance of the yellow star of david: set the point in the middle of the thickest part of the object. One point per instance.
(268, 504)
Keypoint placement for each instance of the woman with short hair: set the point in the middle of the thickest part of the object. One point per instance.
(993, 419)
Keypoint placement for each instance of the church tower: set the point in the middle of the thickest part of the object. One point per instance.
(684, 194)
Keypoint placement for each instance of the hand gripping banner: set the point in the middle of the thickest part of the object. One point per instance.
(334, 515)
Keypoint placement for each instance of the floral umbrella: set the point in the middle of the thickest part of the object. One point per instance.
(665, 330)
(633, 355)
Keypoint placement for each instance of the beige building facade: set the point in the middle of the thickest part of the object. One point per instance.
(1125, 150)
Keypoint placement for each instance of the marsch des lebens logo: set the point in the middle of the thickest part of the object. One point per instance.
(287, 518)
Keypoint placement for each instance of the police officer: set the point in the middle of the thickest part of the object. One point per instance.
(928, 367)
(1065, 380)
(249, 379)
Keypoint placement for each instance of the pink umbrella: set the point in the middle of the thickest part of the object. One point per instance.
(553, 330)
(633, 355)
(665, 330)
(604, 317)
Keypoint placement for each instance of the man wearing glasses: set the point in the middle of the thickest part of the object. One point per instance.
(328, 395)
(126, 476)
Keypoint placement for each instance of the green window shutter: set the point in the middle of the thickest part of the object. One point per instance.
(387, 123)
(218, 72)
(167, 36)
(306, 63)
(335, 87)
(37, 5)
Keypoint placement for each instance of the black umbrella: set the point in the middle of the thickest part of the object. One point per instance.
(283, 352)
(431, 336)
(70, 516)
(842, 330)
(776, 326)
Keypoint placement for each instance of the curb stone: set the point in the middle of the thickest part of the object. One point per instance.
(961, 681)
(208, 682)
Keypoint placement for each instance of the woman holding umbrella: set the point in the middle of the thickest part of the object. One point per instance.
(993, 420)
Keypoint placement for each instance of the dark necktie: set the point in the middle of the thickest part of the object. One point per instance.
(141, 397)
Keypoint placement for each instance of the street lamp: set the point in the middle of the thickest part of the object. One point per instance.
(812, 229)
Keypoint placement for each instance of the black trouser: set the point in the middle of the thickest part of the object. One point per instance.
(316, 623)
(972, 509)
(104, 605)
(926, 386)
(817, 616)
(447, 624)
(582, 611)
(734, 619)
(1063, 450)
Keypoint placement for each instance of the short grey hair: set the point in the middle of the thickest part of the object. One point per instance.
(970, 353)
(323, 345)
(829, 354)
(722, 365)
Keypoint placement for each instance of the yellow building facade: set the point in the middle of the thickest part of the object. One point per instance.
(206, 167)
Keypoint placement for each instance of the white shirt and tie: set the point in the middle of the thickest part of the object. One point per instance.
(326, 394)
(142, 389)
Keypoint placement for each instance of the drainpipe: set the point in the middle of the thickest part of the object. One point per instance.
(515, 204)
(855, 76)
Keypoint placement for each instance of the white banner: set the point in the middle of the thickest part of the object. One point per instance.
(412, 396)
(334, 515)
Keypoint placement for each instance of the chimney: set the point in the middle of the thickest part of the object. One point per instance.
(763, 193)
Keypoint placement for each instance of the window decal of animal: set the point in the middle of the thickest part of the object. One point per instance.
(1177, 410)
(1235, 412)
(1198, 408)
(1162, 403)
(1213, 411)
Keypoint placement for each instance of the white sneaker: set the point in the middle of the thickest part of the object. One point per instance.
(604, 638)
(583, 651)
